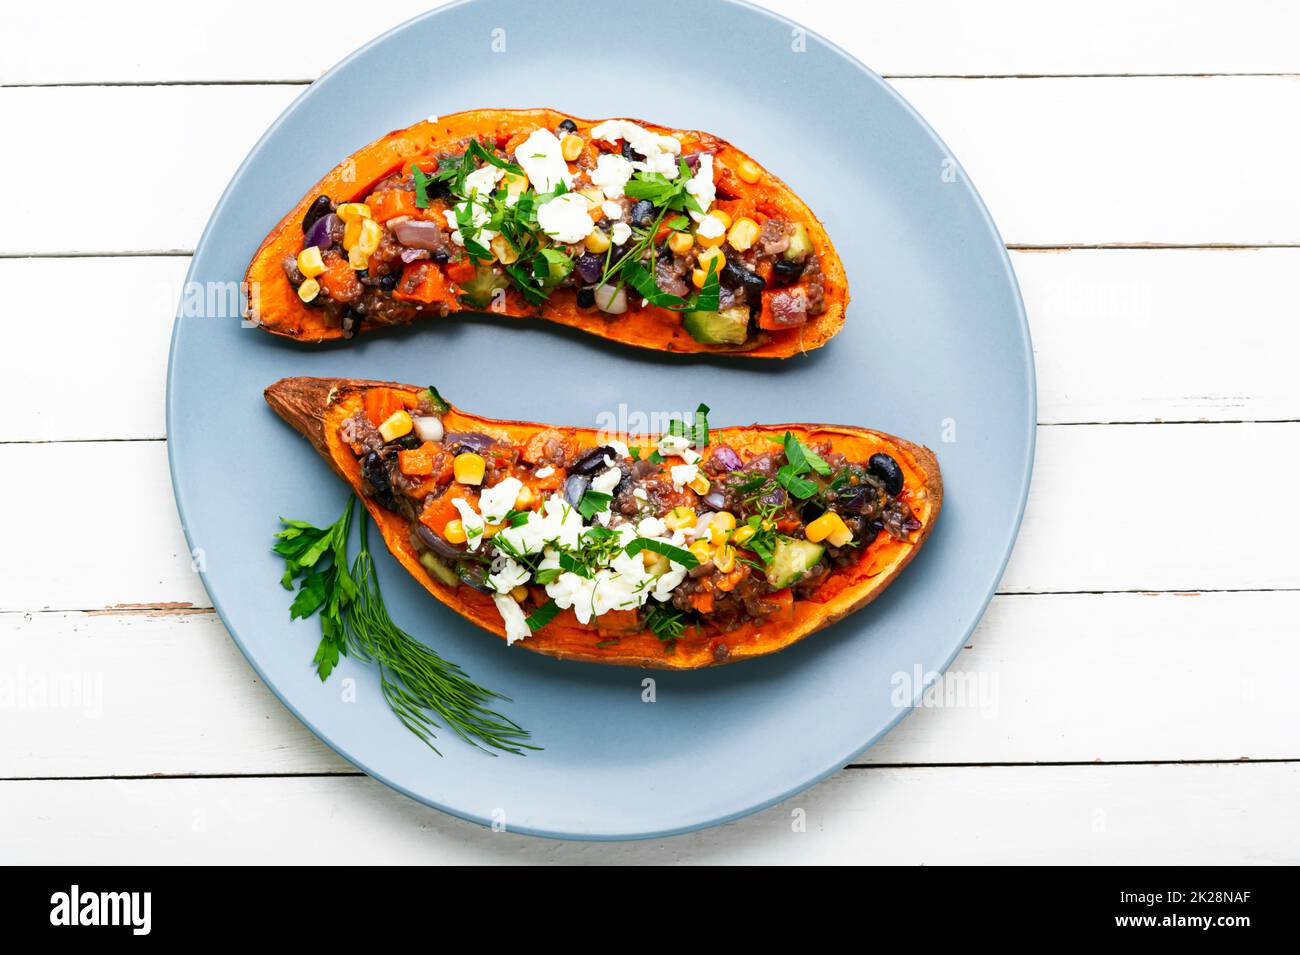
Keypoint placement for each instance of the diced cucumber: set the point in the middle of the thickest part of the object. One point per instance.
(727, 327)
(434, 565)
(791, 559)
(478, 291)
(800, 246)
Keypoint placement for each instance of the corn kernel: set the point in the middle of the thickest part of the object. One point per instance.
(490, 530)
(708, 241)
(468, 468)
(699, 277)
(369, 240)
(520, 593)
(398, 425)
(597, 242)
(723, 521)
(503, 250)
(743, 234)
(308, 290)
(352, 233)
(310, 262)
(654, 563)
(830, 528)
(748, 171)
(351, 211)
(515, 183)
(358, 260)
(724, 559)
(679, 517)
(702, 551)
(571, 147)
(525, 499)
(710, 255)
(722, 217)
(681, 242)
(699, 484)
(743, 535)
(454, 531)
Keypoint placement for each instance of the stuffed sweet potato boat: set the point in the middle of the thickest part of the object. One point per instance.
(666, 239)
(688, 549)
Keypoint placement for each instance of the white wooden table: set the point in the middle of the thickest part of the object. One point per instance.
(1137, 665)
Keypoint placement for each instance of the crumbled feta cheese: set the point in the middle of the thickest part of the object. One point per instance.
(618, 447)
(640, 494)
(510, 575)
(478, 217)
(472, 522)
(542, 158)
(620, 233)
(606, 481)
(674, 445)
(690, 456)
(611, 209)
(495, 501)
(701, 186)
(544, 472)
(565, 218)
(710, 227)
(513, 615)
(684, 474)
(651, 527)
(660, 152)
(611, 174)
(481, 182)
(556, 523)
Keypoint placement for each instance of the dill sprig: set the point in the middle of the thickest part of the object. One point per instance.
(419, 686)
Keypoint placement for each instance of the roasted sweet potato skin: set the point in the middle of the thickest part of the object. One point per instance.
(317, 406)
(275, 306)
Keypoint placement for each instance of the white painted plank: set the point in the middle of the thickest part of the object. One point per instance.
(1144, 507)
(246, 40)
(1185, 814)
(1119, 335)
(1160, 507)
(1060, 161)
(81, 694)
(112, 538)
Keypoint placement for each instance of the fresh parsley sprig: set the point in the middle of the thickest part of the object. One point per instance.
(418, 684)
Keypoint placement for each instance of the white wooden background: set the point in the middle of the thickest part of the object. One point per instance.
(1140, 159)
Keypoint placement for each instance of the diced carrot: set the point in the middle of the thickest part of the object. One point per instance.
(392, 203)
(764, 270)
(422, 490)
(438, 511)
(765, 317)
(786, 524)
(702, 602)
(784, 599)
(462, 270)
(339, 280)
(729, 582)
(423, 282)
(417, 460)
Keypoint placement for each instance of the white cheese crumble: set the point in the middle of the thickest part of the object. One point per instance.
(684, 474)
(618, 447)
(701, 186)
(620, 233)
(481, 182)
(542, 158)
(710, 227)
(498, 499)
(510, 575)
(544, 472)
(472, 522)
(674, 445)
(606, 481)
(566, 218)
(660, 152)
(611, 209)
(611, 174)
(478, 217)
(555, 523)
(513, 615)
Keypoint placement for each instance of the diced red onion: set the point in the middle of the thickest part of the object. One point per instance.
(321, 232)
(575, 487)
(589, 267)
(436, 543)
(715, 500)
(413, 255)
(726, 457)
(611, 300)
(468, 439)
(418, 234)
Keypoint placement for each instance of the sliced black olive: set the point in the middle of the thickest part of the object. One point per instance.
(642, 212)
(321, 206)
(786, 272)
(375, 472)
(887, 469)
(586, 298)
(589, 462)
(575, 486)
(567, 126)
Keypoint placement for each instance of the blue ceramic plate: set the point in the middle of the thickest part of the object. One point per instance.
(936, 347)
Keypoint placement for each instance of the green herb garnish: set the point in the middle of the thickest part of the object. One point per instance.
(593, 502)
(676, 554)
(542, 615)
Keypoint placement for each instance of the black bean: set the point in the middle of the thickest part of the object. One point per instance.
(642, 212)
(589, 462)
(321, 206)
(567, 126)
(375, 471)
(785, 271)
(887, 469)
(586, 298)
(628, 152)
(734, 275)
(388, 282)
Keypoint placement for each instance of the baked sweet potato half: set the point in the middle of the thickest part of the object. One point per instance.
(682, 550)
(672, 240)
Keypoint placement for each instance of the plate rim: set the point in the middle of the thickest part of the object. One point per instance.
(1031, 406)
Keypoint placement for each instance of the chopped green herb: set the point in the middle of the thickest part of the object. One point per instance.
(542, 615)
(676, 554)
(593, 502)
